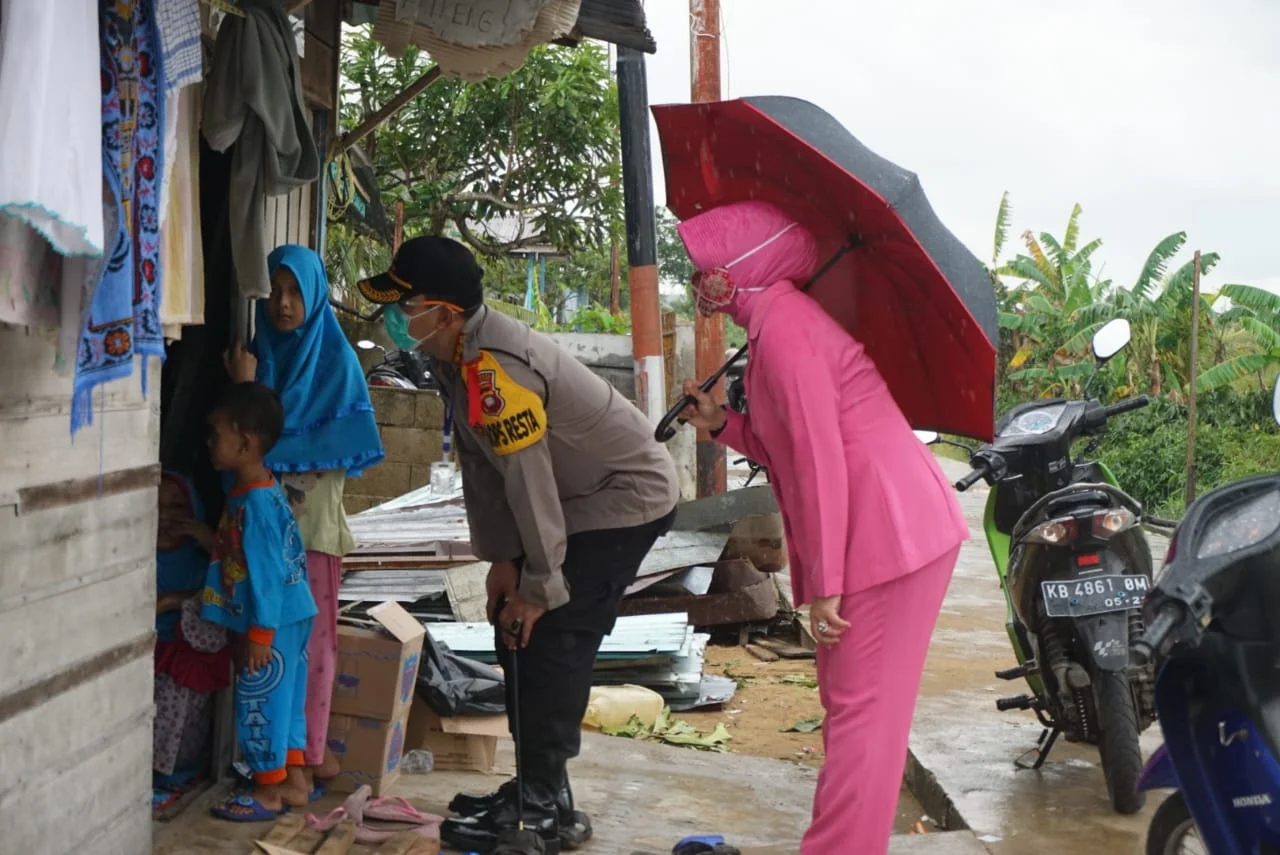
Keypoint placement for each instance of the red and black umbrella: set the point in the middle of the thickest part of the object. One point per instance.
(921, 304)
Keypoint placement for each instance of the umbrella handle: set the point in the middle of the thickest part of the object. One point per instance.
(665, 431)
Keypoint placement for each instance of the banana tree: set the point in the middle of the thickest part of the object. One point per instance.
(1259, 318)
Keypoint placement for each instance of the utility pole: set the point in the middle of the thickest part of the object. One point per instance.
(1192, 370)
(642, 236)
(708, 333)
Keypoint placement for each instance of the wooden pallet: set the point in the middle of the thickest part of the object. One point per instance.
(292, 836)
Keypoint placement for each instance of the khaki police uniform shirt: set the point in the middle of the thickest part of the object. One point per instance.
(558, 451)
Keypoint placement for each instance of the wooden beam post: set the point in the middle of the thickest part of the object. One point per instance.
(387, 110)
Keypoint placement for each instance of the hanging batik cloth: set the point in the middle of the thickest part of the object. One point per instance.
(124, 315)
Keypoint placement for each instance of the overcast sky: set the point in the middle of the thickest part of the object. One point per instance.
(1155, 116)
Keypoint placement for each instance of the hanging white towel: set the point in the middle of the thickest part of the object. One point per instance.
(51, 121)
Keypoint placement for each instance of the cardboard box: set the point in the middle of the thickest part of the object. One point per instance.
(458, 744)
(378, 668)
(368, 750)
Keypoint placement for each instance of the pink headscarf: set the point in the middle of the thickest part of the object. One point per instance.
(758, 241)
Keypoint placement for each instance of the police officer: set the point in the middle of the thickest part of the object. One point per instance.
(565, 492)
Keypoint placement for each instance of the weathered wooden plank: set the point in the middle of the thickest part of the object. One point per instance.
(285, 829)
(50, 552)
(340, 840)
(26, 370)
(306, 841)
(73, 810)
(79, 490)
(44, 637)
(40, 450)
(73, 722)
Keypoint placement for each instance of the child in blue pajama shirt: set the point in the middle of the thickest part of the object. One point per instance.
(257, 587)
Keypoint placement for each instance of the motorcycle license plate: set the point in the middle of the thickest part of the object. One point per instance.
(1099, 595)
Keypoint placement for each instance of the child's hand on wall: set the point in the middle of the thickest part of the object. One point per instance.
(258, 657)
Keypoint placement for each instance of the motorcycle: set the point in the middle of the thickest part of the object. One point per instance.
(1215, 630)
(399, 369)
(1074, 566)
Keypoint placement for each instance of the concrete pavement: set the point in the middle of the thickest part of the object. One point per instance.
(963, 750)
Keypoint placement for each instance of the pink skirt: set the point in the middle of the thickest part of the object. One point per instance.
(325, 574)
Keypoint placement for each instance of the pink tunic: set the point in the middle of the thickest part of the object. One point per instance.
(863, 501)
(868, 514)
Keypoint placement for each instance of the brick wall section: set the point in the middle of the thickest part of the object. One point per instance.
(412, 425)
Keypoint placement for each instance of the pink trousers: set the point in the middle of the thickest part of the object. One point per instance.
(868, 683)
(325, 574)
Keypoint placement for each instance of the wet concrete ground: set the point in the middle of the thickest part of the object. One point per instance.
(643, 797)
(970, 748)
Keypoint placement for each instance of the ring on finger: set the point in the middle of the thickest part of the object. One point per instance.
(823, 627)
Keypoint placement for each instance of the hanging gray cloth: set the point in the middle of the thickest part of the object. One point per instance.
(254, 101)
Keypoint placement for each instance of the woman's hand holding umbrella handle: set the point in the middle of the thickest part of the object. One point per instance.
(700, 410)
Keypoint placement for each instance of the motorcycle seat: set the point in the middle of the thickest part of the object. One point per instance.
(1064, 505)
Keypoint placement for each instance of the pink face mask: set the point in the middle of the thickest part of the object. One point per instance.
(714, 289)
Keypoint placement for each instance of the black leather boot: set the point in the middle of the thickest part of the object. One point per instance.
(470, 804)
(481, 832)
(575, 825)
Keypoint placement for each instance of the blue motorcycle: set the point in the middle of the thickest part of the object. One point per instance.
(1213, 624)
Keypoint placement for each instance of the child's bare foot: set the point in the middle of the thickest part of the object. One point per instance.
(329, 768)
(294, 791)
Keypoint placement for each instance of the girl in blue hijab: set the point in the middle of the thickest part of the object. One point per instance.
(329, 435)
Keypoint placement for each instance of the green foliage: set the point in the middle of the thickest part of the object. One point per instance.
(1051, 301)
(538, 149)
(597, 319)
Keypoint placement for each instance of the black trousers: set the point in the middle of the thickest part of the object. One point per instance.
(555, 669)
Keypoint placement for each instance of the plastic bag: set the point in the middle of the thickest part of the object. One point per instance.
(452, 685)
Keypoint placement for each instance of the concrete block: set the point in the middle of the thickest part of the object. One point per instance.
(355, 504)
(429, 411)
(411, 445)
(388, 478)
(393, 406)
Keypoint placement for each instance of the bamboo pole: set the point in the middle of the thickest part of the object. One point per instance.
(1192, 371)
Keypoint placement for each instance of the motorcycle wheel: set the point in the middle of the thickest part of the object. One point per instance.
(1173, 831)
(1118, 741)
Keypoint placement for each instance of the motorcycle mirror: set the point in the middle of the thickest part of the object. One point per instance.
(1275, 402)
(928, 437)
(365, 344)
(1110, 339)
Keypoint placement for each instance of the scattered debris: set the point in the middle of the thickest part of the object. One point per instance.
(674, 733)
(717, 571)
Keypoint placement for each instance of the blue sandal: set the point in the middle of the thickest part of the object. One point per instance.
(257, 811)
(318, 792)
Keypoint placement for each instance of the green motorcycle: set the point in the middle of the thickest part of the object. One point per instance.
(1075, 566)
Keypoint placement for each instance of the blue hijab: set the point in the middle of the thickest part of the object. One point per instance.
(328, 420)
(184, 568)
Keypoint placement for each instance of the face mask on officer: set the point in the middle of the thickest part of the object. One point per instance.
(396, 322)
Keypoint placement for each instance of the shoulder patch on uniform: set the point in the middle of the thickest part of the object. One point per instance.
(511, 416)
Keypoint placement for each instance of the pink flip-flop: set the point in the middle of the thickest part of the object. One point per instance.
(399, 809)
(352, 808)
(367, 836)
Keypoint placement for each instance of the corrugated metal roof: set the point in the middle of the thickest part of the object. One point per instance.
(621, 22)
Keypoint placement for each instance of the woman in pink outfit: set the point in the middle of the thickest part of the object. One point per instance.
(872, 526)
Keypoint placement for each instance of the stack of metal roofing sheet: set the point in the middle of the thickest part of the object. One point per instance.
(661, 652)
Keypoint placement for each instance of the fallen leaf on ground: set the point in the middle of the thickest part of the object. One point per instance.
(806, 725)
